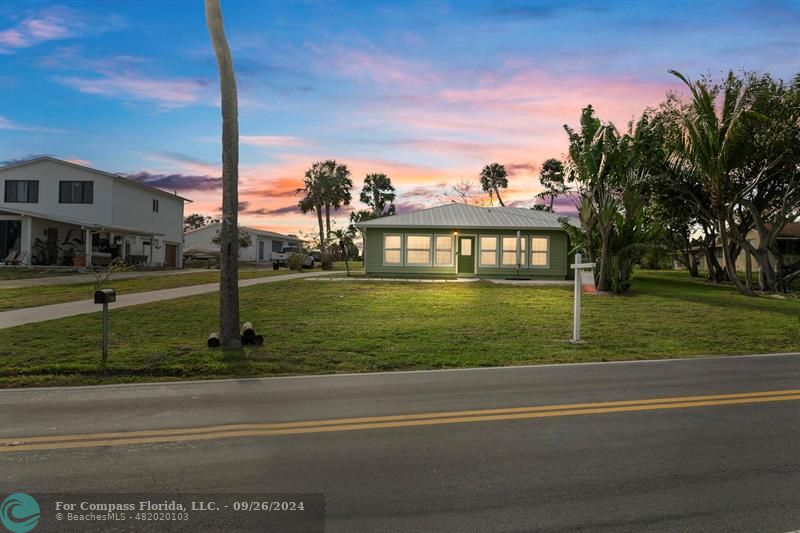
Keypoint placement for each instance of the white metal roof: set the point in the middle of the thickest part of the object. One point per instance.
(262, 232)
(457, 215)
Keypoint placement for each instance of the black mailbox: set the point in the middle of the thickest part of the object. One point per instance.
(105, 296)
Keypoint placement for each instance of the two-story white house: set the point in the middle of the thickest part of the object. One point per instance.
(54, 212)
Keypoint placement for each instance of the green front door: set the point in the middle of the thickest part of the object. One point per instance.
(466, 255)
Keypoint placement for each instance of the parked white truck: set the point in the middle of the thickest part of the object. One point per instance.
(281, 259)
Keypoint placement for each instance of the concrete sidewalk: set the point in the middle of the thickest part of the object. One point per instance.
(29, 315)
(74, 279)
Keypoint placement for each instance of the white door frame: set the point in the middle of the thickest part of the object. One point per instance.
(474, 255)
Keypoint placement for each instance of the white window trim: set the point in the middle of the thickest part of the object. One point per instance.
(530, 251)
(523, 239)
(431, 247)
(383, 250)
(453, 245)
(497, 245)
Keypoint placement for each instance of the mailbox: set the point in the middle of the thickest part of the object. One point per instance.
(105, 296)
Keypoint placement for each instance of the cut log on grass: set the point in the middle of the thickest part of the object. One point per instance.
(248, 332)
(213, 340)
(258, 340)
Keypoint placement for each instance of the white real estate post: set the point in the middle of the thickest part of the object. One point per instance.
(52, 211)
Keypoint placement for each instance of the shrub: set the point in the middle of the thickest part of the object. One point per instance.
(295, 262)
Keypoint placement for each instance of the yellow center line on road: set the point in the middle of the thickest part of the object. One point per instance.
(379, 422)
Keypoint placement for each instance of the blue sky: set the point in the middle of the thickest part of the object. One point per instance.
(427, 92)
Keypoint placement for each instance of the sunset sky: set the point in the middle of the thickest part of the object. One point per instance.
(426, 92)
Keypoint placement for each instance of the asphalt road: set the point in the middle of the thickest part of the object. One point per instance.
(684, 465)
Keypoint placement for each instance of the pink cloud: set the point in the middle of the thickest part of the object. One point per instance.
(374, 66)
(272, 140)
(52, 24)
(452, 123)
(169, 93)
(78, 161)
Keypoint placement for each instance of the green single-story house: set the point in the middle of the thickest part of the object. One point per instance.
(459, 240)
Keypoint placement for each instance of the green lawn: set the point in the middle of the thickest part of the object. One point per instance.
(355, 266)
(322, 327)
(53, 294)
(7, 273)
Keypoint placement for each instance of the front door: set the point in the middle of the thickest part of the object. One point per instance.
(260, 250)
(171, 255)
(466, 255)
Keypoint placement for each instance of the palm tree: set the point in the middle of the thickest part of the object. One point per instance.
(313, 199)
(493, 178)
(229, 235)
(711, 146)
(344, 239)
(336, 185)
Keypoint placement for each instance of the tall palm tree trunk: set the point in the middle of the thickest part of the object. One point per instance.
(497, 192)
(229, 241)
(328, 220)
(321, 231)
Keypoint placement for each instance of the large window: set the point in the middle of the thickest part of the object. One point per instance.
(75, 192)
(392, 249)
(540, 251)
(22, 191)
(418, 249)
(488, 248)
(444, 250)
(509, 255)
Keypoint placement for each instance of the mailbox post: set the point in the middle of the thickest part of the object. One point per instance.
(105, 297)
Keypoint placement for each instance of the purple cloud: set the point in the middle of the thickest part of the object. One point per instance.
(177, 182)
(285, 210)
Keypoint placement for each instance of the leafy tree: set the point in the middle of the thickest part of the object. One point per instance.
(593, 155)
(244, 238)
(712, 146)
(197, 221)
(493, 178)
(552, 178)
(609, 171)
(768, 195)
(362, 215)
(379, 194)
(678, 201)
(229, 252)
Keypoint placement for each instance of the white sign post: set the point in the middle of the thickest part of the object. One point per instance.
(576, 321)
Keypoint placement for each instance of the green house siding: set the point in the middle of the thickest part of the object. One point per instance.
(373, 253)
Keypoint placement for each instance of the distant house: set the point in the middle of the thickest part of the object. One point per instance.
(200, 242)
(52, 211)
(458, 240)
(788, 243)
